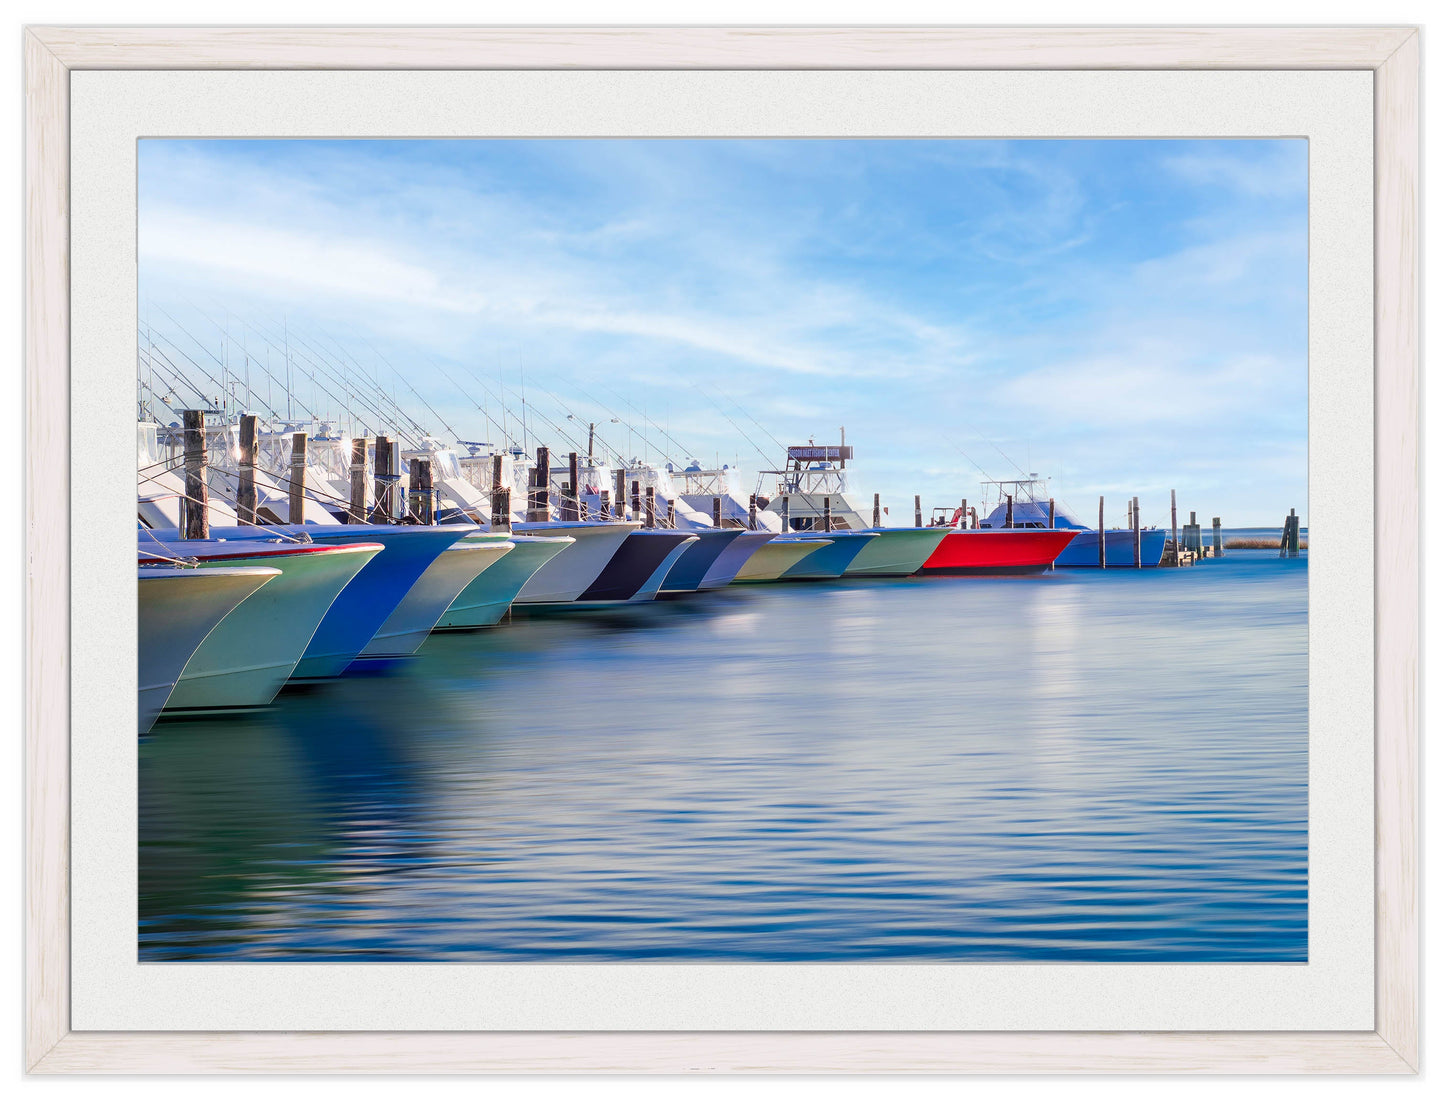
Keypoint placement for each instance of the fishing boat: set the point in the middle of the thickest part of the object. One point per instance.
(486, 600)
(361, 608)
(734, 557)
(577, 567)
(248, 658)
(449, 575)
(974, 550)
(687, 575)
(177, 608)
(779, 554)
(1025, 503)
(811, 493)
(901, 552)
(827, 563)
(636, 572)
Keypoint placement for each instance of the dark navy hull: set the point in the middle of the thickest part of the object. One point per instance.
(639, 557)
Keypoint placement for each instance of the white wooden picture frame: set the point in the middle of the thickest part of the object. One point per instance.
(52, 53)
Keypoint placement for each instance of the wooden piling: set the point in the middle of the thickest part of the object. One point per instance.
(1293, 534)
(1103, 555)
(195, 517)
(917, 511)
(421, 492)
(381, 510)
(1051, 513)
(619, 500)
(246, 476)
(539, 507)
(356, 514)
(502, 508)
(604, 504)
(1134, 524)
(783, 512)
(753, 512)
(1218, 540)
(501, 498)
(827, 514)
(651, 507)
(297, 487)
(672, 512)
(1174, 529)
(574, 488)
(717, 512)
(877, 512)
(637, 500)
(963, 514)
(1008, 518)
(582, 510)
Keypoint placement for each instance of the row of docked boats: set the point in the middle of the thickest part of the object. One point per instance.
(235, 604)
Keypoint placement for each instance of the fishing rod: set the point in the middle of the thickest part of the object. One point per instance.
(200, 344)
(751, 442)
(486, 416)
(745, 412)
(648, 421)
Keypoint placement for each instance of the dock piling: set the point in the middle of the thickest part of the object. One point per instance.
(1008, 519)
(381, 511)
(672, 512)
(604, 504)
(1174, 528)
(539, 507)
(356, 513)
(651, 521)
(195, 518)
(877, 512)
(963, 514)
(753, 512)
(501, 498)
(571, 500)
(637, 500)
(619, 494)
(297, 487)
(1051, 513)
(1218, 540)
(1103, 556)
(783, 512)
(1134, 524)
(917, 511)
(421, 492)
(246, 476)
(827, 514)
(717, 512)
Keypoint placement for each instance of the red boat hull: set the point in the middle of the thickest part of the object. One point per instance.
(1012, 550)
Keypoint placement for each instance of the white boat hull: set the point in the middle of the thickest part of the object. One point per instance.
(485, 601)
(247, 659)
(177, 609)
(427, 601)
(568, 575)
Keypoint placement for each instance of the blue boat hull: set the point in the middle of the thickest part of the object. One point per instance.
(692, 567)
(827, 563)
(1083, 549)
(372, 595)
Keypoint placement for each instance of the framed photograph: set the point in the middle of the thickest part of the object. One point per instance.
(724, 549)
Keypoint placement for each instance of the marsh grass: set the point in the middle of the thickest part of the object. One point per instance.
(1259, 544)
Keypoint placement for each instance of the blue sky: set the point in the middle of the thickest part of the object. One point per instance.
(1125, 317)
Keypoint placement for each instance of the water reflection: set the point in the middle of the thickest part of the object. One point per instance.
(1080, 766)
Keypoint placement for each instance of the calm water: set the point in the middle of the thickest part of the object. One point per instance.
(1085, 765)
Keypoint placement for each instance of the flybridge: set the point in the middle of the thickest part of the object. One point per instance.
(814, 453)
